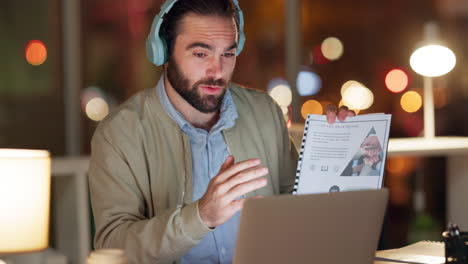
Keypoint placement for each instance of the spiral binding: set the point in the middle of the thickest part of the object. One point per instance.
(301, 153)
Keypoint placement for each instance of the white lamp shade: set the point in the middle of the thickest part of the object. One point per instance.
(433, 60)
(24, 200)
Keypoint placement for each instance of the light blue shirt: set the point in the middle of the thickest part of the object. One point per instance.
(209, 151)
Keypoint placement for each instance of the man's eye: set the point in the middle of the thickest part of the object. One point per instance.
(229, 54)
(199, 54)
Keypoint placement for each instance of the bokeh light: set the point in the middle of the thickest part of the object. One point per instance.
(332, 48)
(285, 110)
(275, 82)
(411, 101)
(433, 60)
(88, 94)
(357, 96)
(97, 109)
(348, 84)
(356, 111)
(311, 107)
(36, 52)
(440, 98)
(308, 83)
(281, 94)
(396, 80)
(397, 165)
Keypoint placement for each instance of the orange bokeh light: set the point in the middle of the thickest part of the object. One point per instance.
(396, 80)
(311, 107)
(36, 52)
(411, 101)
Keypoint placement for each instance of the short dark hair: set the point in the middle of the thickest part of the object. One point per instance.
(169, 28)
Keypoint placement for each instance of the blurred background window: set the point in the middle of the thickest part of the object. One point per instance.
(31, 91)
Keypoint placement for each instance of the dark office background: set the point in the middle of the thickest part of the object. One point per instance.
(377, 37)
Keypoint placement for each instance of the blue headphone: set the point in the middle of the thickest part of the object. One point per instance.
(156, 47)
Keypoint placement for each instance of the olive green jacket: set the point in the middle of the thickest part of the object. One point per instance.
(140, 175)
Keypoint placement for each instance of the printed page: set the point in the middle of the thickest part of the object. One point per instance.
(424, 252)
(343, 156)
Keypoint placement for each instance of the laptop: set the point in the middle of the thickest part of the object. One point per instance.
(330, 228)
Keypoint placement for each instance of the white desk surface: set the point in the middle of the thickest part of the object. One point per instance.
(419, 146)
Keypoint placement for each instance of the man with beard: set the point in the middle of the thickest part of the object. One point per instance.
(171, 167)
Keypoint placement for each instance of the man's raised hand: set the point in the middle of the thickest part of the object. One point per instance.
(221, 200)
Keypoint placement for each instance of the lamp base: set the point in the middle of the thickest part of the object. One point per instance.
(48, 256)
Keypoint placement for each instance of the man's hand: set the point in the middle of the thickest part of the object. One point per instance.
(343, 112)
(220, 202)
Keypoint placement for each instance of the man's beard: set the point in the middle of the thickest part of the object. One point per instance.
(205, 104)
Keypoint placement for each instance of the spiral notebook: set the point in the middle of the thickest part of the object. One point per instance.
(343, 156)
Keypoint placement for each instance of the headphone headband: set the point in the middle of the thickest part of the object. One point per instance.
(156, 47)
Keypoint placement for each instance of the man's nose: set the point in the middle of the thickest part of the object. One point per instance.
(215, 69)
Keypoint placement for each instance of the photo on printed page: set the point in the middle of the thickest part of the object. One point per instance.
(367, 161)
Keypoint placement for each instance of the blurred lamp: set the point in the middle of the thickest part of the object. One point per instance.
(24, 200)
(433, 60)
(430, 61)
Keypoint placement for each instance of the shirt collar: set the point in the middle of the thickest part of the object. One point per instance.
(228, 111)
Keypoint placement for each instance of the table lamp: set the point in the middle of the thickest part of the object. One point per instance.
(431, 60)
(24, 200)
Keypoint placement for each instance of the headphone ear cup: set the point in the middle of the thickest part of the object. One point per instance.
(155, 46)
(241, 43)
(156, 50)
(240, 16)
(151, 51)
(164, 50)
